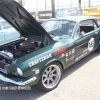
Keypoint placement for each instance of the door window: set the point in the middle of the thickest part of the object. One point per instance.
(86, 26)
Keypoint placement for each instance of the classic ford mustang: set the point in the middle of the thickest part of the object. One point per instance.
(42, 53)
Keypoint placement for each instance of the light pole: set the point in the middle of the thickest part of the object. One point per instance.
(71, 4)
(53, 8)
(89, 3)
(80, 4)
(45, 5)
(37, 10)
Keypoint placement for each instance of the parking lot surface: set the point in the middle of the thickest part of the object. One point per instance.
(80, 81)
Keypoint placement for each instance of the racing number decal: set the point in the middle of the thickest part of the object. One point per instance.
(91, 44)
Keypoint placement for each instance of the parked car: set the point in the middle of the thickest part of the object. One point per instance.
(41, 21)
(44, 52)
(7, 32)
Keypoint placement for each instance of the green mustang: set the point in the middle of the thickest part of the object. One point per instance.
(42, 53)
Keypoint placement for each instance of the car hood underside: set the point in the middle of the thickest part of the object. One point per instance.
(21, 20)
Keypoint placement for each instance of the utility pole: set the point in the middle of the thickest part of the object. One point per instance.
(79, 3)
(53, 8)
(45, 5)
(71, 4)
(89, 3)
(80, 7)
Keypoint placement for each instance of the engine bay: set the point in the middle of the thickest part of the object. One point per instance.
(15, 50)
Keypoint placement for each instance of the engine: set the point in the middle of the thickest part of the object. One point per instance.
(13, 51)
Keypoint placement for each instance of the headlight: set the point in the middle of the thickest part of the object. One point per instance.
(19, 72)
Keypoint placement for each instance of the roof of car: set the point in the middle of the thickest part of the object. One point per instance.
(74, 18)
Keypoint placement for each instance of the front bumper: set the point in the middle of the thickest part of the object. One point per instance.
(14, 80)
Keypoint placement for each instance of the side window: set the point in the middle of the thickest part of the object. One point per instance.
(86, 26)
(79, 33)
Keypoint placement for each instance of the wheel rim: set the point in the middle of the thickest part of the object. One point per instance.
(51, 76)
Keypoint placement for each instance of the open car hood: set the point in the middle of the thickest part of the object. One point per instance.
(21, 19)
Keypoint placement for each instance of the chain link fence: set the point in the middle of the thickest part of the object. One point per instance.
(37, 5)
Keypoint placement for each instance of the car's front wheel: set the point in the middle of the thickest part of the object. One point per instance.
(50, 77)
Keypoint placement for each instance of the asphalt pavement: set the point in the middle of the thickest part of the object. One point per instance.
(80, 81)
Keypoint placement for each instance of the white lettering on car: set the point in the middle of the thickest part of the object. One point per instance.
(41, 59)
(71, 58)
(73, 51)
(81, 56)
(91, 44)
(37, 71)
(67, 54)
(63, 55)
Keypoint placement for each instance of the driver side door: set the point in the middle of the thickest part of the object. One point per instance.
(84, 39)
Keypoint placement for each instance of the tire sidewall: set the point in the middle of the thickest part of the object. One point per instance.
(40, 84)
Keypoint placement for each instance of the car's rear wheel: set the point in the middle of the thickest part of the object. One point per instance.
(50, 77)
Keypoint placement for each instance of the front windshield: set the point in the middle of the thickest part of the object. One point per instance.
(59, 28)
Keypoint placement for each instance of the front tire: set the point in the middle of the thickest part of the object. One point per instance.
(51, 77)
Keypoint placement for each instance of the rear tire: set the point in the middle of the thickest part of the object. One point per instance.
(51, 77)
(98, 46)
